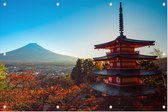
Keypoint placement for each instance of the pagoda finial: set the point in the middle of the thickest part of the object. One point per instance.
(121, 29)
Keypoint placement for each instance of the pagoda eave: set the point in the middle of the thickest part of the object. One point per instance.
(127, 72)
(132, 44)
(108, 59)
(111, 90)
(125, 56)
(123, 40)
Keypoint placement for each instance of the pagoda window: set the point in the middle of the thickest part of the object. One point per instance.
(118, 49)
(112, 50)
(118, 64)
(117, 59)
(118, 80)
(110, 79)
(111, 64)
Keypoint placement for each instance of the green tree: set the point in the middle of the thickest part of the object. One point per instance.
(3, 83)
(82, 72)
(150, 65)
(157, 52)
(88, 67)
(77, 71)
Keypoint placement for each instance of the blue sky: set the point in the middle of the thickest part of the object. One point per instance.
(76, 26)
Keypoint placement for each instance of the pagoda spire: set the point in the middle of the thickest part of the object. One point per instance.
(121, 28)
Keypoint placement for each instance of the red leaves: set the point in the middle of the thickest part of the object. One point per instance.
(24, 94)
(22, 80)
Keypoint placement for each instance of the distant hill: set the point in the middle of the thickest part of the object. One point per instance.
(35, 53)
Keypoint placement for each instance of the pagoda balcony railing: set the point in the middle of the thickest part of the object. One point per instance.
(123, 84)
(129, 67)
(133, 84)
(135, 52)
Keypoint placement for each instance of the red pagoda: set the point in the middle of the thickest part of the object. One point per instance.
(122, 77)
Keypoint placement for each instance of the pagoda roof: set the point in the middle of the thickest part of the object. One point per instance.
(126, 72)
(140, 90)
(123, 39)
(127, 56)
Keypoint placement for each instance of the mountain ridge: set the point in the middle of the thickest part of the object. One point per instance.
(33, 52)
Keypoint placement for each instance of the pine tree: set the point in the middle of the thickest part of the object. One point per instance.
(88, 67)
(77, 71)
(82, 72)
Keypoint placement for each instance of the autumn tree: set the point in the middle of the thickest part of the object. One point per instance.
(98, 66)
(47, 81)
(23, 81)
(3, 83)
(105, 65)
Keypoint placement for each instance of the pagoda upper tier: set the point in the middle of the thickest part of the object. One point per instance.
(125, 56)
(123, 40)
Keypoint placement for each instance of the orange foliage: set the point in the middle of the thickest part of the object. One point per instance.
(25, 95)
(22, 80)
